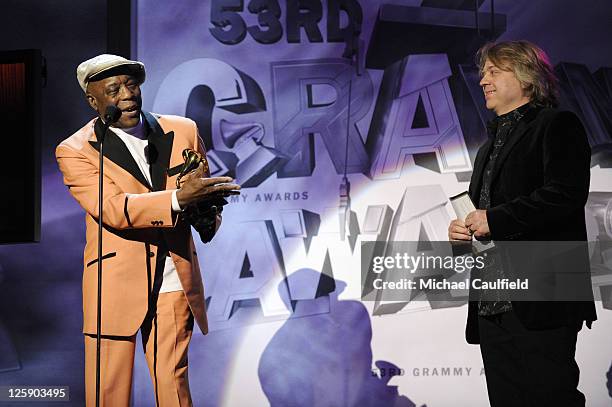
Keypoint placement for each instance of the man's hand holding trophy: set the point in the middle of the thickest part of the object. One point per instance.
(202, 199)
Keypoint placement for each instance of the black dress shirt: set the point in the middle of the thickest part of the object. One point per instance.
(490, 301)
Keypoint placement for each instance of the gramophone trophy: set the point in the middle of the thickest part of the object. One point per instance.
(203, 214)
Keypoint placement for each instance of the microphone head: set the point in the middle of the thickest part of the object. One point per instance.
(112, 114)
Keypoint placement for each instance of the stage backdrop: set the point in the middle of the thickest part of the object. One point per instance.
(345, 121)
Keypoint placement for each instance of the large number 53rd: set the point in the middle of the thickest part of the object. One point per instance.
(229, 27)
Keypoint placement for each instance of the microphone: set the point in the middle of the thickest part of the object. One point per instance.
(112, 114)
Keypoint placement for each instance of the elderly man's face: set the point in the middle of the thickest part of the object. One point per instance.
(120, 90)
(502, 90)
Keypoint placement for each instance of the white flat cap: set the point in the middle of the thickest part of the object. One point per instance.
(93, 68)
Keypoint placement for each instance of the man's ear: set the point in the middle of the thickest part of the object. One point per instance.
(92, 102)
(528, 90)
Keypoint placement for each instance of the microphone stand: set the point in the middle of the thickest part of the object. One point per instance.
(110, 117)
(351, 52)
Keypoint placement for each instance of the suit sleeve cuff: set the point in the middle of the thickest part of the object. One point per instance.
(501, 225)
(175, 203)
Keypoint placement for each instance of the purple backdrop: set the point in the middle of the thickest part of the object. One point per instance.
(282, 277)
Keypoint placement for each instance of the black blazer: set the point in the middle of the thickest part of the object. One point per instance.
(539, 187)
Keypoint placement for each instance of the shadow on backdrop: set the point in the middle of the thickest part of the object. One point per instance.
(325, 359)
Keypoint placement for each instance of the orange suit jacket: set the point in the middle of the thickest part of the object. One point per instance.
(137, 219)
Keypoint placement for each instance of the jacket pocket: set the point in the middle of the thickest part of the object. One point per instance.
(106, 256)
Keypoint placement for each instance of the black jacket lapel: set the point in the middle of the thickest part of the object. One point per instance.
(479, 164)
(116, 151)
(517, 134)
(158, 151)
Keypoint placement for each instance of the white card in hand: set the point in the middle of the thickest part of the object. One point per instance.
(462, 204)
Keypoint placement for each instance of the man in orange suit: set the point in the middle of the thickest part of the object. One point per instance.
(151, 279)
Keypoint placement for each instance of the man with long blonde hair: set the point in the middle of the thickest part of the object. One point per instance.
(530, 183)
